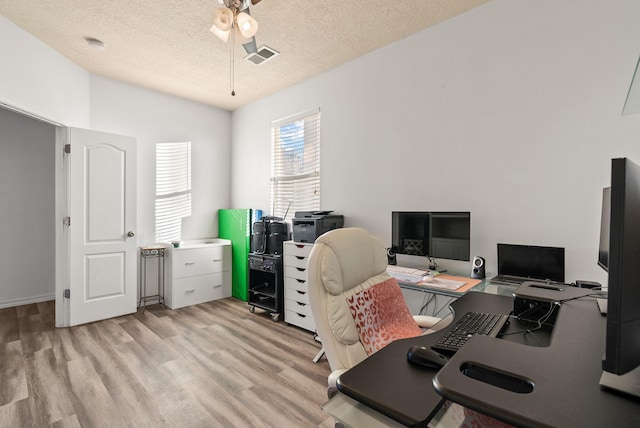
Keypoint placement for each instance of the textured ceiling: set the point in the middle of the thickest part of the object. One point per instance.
(167, 46)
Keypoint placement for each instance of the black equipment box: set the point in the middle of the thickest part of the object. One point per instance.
(539, 301)
(308, 225)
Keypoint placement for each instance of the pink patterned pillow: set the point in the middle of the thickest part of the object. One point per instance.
(381, 315)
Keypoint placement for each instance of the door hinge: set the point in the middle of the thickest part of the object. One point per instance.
(67, 148)
(66, 221)
(67, 293)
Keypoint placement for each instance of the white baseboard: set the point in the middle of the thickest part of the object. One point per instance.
(27, 300)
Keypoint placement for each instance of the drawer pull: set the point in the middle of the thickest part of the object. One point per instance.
(217, 285)
(300, 246)
(217, 260)
(300, 257)
(301, 281)
(190, 291)
(300, 315)
(301, 304)
(301, 292)
(300, 269)
(189, 263)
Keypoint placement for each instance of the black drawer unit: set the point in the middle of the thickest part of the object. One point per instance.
(266, 284)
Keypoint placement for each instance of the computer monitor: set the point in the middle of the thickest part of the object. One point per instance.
(442, 235)
(603, 250)
(621, 364)
(531, 261)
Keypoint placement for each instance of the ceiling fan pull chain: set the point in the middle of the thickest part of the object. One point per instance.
(232, 62)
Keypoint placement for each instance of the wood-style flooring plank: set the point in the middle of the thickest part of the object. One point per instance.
(93, 404)
(33, 333)
(209, 365)
(66, 344)
(12, 373)
(49, 393)
(16, 414)
(9, 330)
(27, 310)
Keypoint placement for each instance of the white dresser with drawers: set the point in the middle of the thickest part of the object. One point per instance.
(297, 310)
(198, 272)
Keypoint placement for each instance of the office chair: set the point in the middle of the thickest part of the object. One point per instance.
(347, 276)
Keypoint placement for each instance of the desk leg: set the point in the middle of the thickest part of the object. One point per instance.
(142, 265)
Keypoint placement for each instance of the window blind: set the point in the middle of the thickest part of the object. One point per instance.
(173, 189)
(295, 164)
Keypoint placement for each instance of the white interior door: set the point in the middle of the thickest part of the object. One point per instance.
(102, 210)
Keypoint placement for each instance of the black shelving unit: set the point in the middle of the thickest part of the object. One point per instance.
(266, 284)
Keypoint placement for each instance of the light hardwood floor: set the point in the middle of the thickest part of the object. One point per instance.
(208, 365)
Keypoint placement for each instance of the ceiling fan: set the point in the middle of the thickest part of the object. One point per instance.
(233, 19)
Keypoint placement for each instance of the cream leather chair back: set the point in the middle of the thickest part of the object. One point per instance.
(342, 260)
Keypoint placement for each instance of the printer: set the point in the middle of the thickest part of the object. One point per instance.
(308, 225)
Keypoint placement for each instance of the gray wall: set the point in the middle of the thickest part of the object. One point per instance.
(511, 111)
(27, 173)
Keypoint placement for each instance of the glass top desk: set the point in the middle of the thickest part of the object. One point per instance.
(433, 300)
(480, 285)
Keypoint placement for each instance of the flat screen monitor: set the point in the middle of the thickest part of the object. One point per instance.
(622, 351)
(531, 261)
(437, 234)
(603, 250)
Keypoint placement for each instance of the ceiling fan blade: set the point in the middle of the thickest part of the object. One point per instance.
(251, 46)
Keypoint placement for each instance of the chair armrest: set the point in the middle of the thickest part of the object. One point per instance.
(332, 380)
(425, 321)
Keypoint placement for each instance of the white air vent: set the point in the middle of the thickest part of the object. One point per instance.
(264, 54)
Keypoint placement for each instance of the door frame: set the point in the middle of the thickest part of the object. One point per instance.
(62, 261)
(61, 210)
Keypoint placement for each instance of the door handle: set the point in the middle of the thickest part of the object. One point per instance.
(131, 234)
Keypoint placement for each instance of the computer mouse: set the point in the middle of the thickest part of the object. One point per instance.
(427, 357)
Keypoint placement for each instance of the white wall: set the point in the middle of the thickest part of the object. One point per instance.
(152, 118)
(27, 171)
(511, 111)
(36, 79)
(39, 81)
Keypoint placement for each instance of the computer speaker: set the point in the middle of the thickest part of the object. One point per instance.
(391, 257)
(477, 268)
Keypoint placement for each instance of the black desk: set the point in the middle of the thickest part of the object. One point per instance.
(565, 373)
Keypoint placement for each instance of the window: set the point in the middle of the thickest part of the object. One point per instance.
(295, 164)
(173, 189)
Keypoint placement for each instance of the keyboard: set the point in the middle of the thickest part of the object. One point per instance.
(471, 324)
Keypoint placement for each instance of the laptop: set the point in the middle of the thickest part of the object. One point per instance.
(520, 263)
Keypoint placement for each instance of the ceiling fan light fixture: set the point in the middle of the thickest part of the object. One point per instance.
(247, 26)
(223, 18)
(222, 23)
(240, 39)
(222, 35)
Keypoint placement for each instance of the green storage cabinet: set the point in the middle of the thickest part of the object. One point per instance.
(235, 225)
